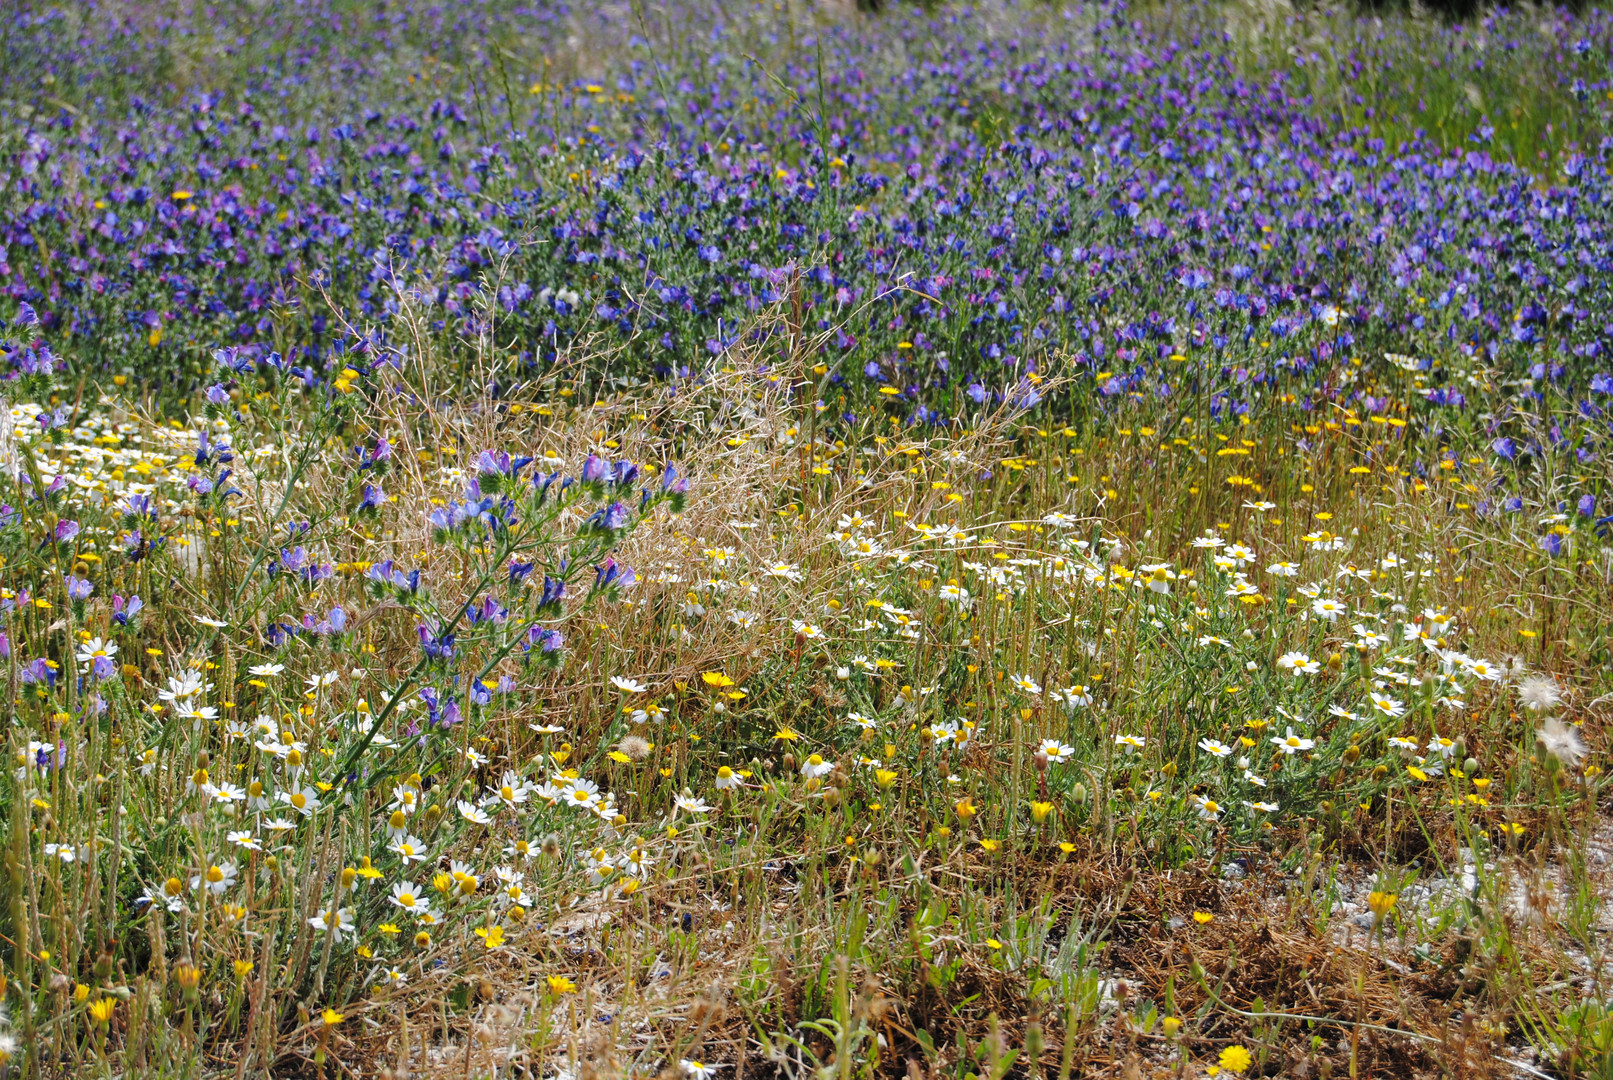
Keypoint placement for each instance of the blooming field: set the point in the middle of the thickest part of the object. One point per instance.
(657, 541)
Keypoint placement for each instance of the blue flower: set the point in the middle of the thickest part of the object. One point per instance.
(437, 646)
(124, 610)
(611, 574)
(554, 589)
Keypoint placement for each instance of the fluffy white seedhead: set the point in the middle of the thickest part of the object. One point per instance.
(1562, 741)
(1539, 693)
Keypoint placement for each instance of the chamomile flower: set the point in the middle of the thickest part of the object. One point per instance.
(637, 862)
(1056, 751)
(1329, 609)
(581, 794)
(1240, 555)
(1076, 697)
(243, 838)
(689, 804)
(1291, 743)
(407, 895)
(406, 797)
(1157, 576)
(473, 813)
(338, 923)
(600, 865)
(319, 681)
(1387, 705)
(814, 766)
(304, 800)
(182, 688)
(465, 879)
(409, 848)
(512, 792)
(96, 655)
(1442, 746)
(217, 878)
(1298, 663)
(1215, 748)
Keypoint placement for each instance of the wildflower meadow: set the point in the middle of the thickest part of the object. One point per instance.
(709, 540)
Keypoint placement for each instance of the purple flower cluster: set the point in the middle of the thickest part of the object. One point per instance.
(1100, 191)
